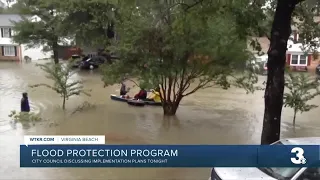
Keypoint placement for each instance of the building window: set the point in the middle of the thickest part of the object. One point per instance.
(303, 59)
(299, 60)
(6, 32)
(294, 59)
(9, 51)
(295, 36)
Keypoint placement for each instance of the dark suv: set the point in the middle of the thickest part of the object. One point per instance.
(93, 62)
(318, 72)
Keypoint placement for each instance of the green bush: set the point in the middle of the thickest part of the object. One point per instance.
(24, 116)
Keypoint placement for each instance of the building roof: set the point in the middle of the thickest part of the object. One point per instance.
(300, 48)
(5, 19)
(297, 48)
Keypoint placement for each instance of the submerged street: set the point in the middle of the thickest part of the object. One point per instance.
(210, 116)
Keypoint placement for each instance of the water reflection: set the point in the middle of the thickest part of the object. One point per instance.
(170, 122)
(211, 116)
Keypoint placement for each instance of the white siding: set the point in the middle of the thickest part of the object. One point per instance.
(6, 41)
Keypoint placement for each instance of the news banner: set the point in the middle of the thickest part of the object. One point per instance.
(92, 151)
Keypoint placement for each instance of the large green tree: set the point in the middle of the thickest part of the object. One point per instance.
(41, 25)
(91, 22)
(180, 47)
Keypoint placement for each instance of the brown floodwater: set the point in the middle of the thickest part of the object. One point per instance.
(210, 116)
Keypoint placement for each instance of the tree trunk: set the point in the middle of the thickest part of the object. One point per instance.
(170, 108)
(294, 118)
(280, 32)
(55, 47)
(64, 103)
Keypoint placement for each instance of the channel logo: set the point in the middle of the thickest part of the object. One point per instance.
(299, 156)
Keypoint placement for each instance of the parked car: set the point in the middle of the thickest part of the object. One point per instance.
(318, 72)
(76, 60)
(262, 62)
(93, 62)
(272, 173)
(253, 66)
(265, 69)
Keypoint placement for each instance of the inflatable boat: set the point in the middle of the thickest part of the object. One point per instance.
(118, 98)
(152, 103)
(134, 102)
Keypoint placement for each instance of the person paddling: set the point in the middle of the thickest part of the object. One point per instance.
(25, 107)
(123, 89)
(142, 94)
(154, 95)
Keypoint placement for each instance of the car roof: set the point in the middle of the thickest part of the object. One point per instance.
(301, 141)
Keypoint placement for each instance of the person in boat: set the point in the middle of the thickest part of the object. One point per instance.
(25, 107)
(123, 89)
(154, 95)
(142, 94)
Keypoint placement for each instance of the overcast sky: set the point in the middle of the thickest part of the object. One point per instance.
(4, 1)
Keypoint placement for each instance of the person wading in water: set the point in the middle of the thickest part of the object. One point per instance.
(25, 107)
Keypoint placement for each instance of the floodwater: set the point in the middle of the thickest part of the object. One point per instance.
(210, 116)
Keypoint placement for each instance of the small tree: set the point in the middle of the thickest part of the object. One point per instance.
(302, 88)
(63, 84)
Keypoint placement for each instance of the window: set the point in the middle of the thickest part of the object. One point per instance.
(310, 174)
(9, 51)
(299, 60)
(6, 32)
(294, 59)
(295, 35)
(303, 59)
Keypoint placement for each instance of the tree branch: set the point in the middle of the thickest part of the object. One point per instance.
(192, 5)
(200, 85)
(132, 81)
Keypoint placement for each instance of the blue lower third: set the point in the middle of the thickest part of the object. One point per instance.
(165, 156)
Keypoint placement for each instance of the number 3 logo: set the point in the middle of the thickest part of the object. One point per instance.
(299, 159)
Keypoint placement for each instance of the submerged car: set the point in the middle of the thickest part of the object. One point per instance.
(272, 173)
(265, 69)
(253, 66)
(76, 60)
(262, 63)
(93, 62)
(318, 72)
